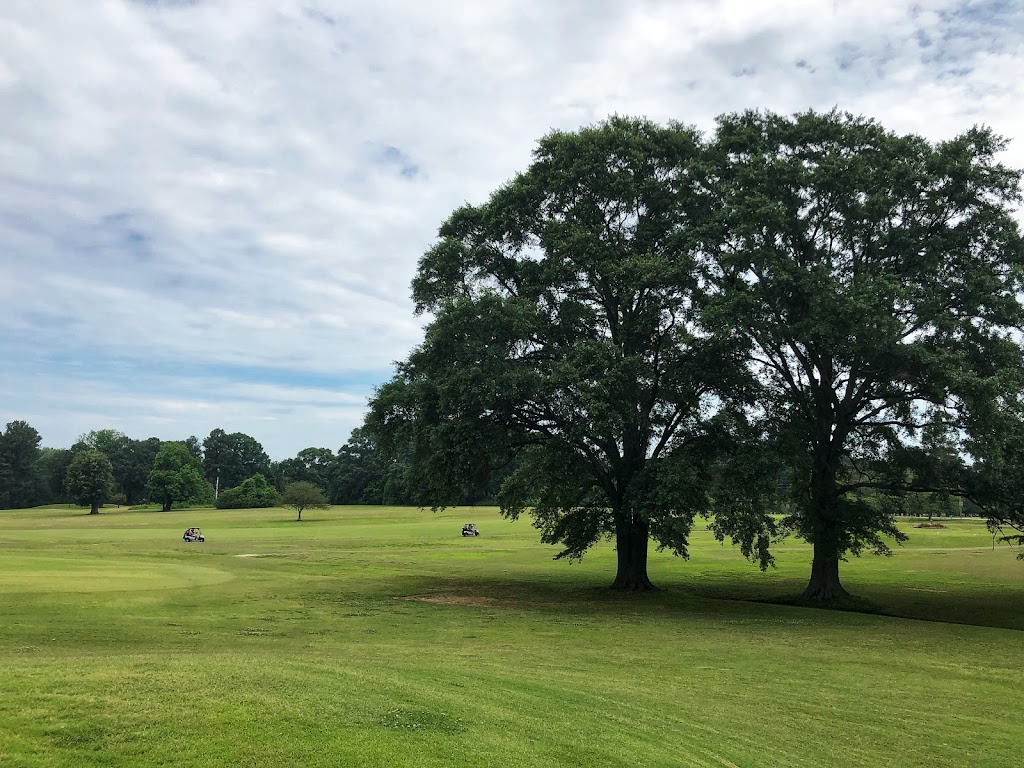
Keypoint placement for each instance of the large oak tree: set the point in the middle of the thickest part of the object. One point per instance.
(564, 350)
(875, 278)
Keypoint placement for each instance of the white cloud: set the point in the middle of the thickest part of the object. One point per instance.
(247, 185)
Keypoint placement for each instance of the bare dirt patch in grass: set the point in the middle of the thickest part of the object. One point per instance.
(442, 599)
(262, 554)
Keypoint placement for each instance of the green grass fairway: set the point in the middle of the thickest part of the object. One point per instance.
(380, 637)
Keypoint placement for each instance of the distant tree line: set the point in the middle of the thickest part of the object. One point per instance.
(107, 467)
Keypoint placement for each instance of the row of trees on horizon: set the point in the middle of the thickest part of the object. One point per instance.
(187, 472)
(232, 470)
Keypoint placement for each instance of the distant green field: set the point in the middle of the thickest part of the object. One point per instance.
(379, 636)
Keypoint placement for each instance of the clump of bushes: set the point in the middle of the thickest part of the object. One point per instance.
(253, 492)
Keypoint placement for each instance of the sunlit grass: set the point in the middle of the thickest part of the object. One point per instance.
(379, 636)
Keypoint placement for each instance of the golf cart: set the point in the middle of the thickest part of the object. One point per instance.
(470, 529)
(193, 534)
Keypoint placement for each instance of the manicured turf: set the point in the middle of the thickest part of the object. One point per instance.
(379, 636)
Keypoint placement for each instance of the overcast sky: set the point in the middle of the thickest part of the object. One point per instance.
(211, 210)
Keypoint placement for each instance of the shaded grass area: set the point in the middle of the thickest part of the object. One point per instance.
(378, 636)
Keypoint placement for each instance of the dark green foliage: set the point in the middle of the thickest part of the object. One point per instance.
(132, 460)
(194, 447)
(19, 452)
(132, 473)
(90, 479)
(995, 481)
(361, 473)
(393, 491)
(252, 493)
(110, 441)
(875, 278)
(233, 457)
(303, 495)
(748, 482)
(564, 345)
(51, 469)
(177, 477)
(928, 504)
(358, 474)
(354, 469)
(311, 465)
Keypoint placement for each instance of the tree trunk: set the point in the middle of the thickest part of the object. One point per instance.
(300, 515)
(166, 506)
(824, 585)
(631, 536)
(95, 508)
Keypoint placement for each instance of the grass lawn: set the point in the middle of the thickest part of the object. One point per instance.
(379, 636)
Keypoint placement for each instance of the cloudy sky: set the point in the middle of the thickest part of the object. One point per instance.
(211, 210)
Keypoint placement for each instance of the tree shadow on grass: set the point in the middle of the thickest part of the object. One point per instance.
(994, 606)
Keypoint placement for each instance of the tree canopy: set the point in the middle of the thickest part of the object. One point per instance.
(90, 479)
(131, 460)
(51, 470)
(19, 452)
(302, 495)
(564, 343)
(994, 480)
(232, 458)
(312, 465)
(252, 493)
(874, 279)
(645, 309)
(354, 477)
(177, 476)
